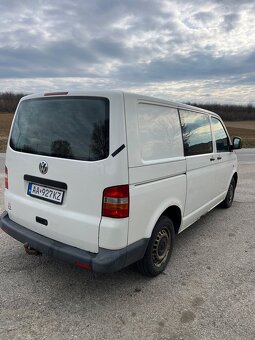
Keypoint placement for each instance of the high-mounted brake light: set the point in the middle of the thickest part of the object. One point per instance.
(55, 93)
(6, 177)
(116, 202)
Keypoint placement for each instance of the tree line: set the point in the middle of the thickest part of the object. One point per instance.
(230, 112)
(9, 102)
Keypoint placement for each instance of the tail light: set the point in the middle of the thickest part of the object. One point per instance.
(116, 202)
(6, 177)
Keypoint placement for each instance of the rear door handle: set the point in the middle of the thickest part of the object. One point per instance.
(219, 157)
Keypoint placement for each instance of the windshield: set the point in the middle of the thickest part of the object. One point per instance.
(65, 127)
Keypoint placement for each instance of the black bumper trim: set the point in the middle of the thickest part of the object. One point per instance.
(104, 261)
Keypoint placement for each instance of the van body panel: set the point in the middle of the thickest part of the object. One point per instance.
(144, 213)
(200, 174)
(113, 233)
(195, 215)
(157, 167)
(156, 172)
(197, 181)
(77, 221)
(223, 168)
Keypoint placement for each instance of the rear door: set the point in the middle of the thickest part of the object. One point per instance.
(69, 136)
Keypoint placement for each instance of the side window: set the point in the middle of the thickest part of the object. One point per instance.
(221, 138)
(159, 132)
(196, 131)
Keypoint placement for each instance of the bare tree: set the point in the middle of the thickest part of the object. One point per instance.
(9, 101)
(230, 112)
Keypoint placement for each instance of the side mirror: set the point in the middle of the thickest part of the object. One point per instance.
(236, 143)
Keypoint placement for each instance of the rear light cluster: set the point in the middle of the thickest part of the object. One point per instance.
(116, 202)
(6, 177)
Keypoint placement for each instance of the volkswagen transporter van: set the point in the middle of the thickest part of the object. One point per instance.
(106, 179)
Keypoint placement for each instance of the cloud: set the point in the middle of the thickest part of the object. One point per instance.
(195, 65)
(231, 21)
(133, 44)
(51, 60)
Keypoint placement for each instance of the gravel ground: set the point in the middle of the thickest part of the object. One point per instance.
(207, 291)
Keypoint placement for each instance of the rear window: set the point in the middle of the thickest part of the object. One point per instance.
(65, 127)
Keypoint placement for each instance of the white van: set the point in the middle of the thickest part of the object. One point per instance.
(106, 179)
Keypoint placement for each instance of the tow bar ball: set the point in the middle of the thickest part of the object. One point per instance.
(31, 251)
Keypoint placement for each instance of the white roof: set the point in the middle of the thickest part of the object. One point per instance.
(108, 93)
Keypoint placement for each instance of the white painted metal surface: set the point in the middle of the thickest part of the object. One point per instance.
(152, 163)
(75, 222)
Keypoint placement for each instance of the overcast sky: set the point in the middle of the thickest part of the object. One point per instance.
(195, 50)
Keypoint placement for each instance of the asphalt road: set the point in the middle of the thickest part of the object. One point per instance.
(207, 291)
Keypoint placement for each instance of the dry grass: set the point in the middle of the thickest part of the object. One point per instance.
(5, 124)
(245, 130)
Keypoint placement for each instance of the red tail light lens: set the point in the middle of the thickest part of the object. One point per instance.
(116, 202)
(6, 177)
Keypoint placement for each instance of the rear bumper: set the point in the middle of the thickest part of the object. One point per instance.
(104, 261)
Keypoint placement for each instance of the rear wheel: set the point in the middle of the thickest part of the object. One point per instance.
(230, 195)
(159, 249)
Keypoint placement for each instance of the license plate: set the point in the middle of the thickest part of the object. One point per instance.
(45, 193)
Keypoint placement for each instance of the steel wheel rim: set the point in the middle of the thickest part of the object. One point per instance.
(161, 247)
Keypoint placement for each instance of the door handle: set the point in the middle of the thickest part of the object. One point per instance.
(219, 157)
(212, 159)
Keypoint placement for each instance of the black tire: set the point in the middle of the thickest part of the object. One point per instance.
(230, 195)
(159, 249)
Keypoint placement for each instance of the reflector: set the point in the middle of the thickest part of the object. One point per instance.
(6, 177)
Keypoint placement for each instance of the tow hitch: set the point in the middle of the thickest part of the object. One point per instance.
(31, 251)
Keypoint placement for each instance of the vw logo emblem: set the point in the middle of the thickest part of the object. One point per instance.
(43, 167)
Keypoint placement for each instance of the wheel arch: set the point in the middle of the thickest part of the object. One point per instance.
(175, 214)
